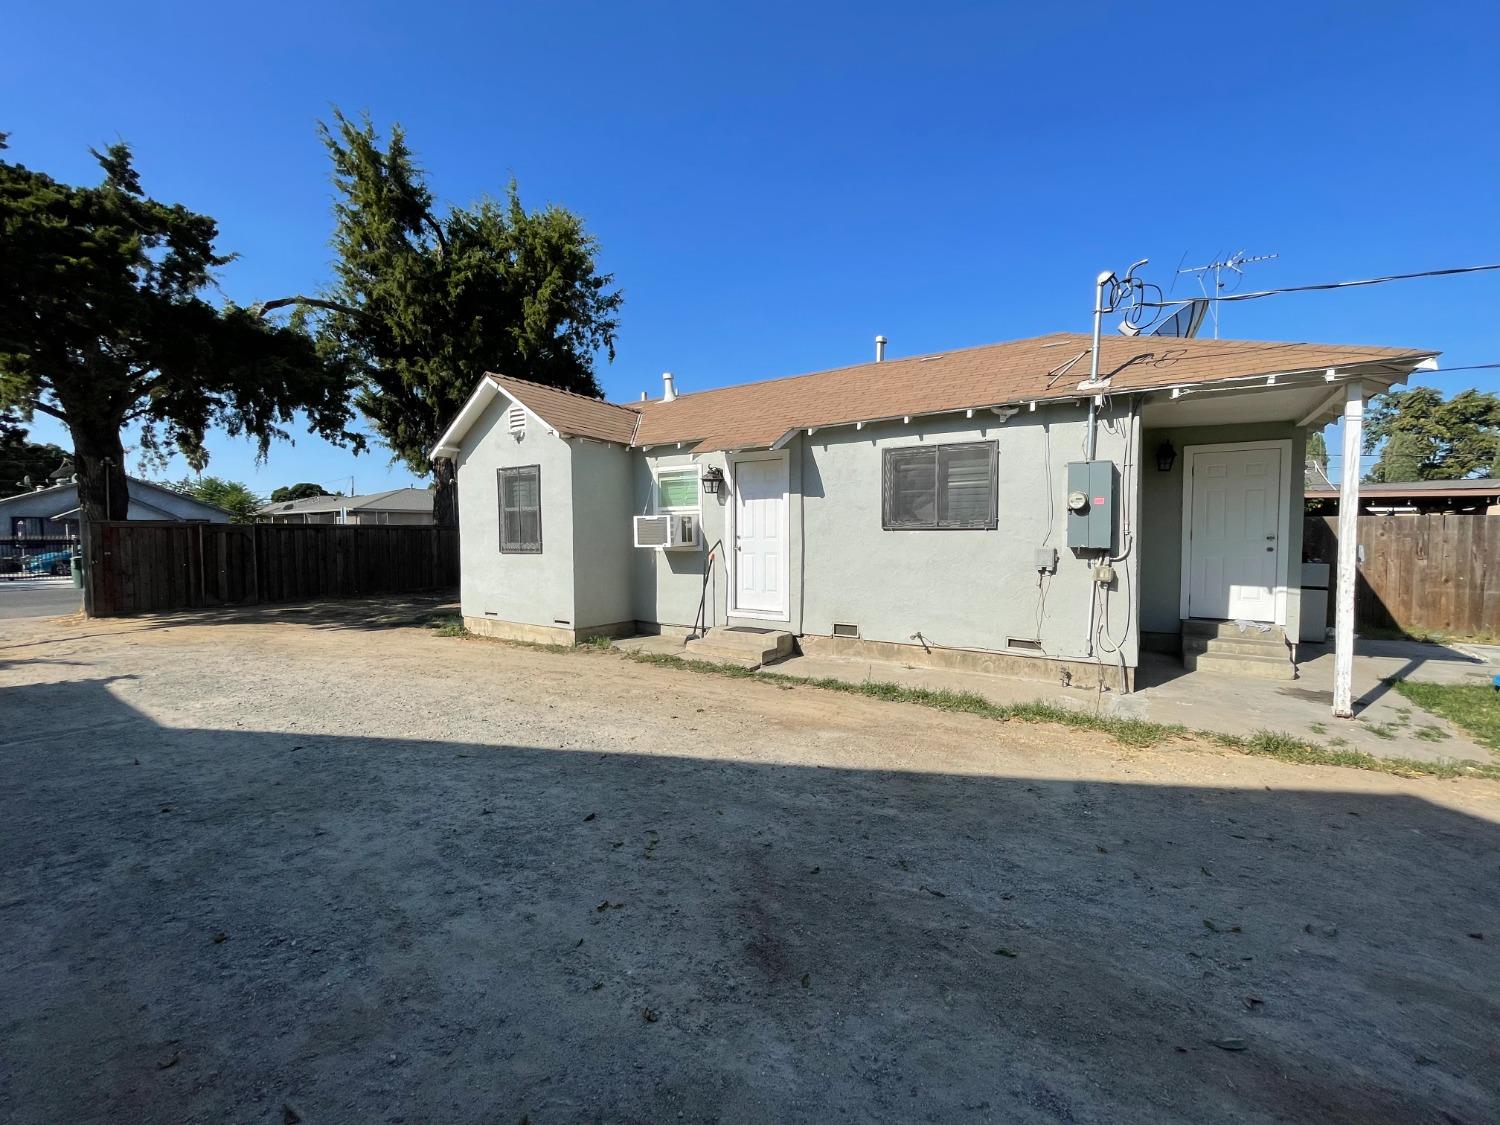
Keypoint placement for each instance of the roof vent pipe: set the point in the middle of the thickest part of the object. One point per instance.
(668, 390)
(643, 396)
(879, 349)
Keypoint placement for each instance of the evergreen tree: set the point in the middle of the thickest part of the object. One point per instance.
(423, 303)
(103, 324)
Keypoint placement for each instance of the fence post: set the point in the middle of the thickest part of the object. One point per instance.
(85, 552)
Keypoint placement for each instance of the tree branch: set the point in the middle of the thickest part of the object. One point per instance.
(52, 410)
(437, 230)
(263, 307)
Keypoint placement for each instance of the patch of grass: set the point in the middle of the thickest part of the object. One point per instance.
(1129, 732)
(1289, 748)
(448, 625)
(1474, 707)
(1318, 728)
(602, 643)
(1430, 733)
(1386, 731)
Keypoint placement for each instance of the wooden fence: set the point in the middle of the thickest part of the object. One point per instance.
(1420, 573)
(143, 566)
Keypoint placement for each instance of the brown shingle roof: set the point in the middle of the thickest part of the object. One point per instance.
(753, 415)
(571, 413)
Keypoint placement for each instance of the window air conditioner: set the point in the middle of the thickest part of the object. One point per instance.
(673, 531)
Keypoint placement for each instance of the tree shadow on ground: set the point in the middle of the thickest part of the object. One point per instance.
(207, 924)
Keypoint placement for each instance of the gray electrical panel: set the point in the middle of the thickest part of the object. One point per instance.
(1091, 505)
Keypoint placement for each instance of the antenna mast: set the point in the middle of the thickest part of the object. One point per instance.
(1233, 263)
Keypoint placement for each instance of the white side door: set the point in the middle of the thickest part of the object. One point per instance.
(1235, 521)
(760, 534)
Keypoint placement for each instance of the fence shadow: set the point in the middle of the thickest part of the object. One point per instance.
(213, 923)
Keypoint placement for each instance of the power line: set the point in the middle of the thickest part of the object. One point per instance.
(1327, 285)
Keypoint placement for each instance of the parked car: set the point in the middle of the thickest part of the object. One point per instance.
(55, 563)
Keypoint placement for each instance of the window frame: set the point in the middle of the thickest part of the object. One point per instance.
(500, 475)
(689, 471)
(991, 522)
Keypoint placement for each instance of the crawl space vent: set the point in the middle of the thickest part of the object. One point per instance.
(845, 630)
(1023, 642)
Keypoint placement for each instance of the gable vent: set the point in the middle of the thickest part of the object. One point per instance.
(516, 418)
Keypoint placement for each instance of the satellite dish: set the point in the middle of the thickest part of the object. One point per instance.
(1184, 322)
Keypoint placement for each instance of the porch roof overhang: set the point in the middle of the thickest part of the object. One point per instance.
(1303, 398)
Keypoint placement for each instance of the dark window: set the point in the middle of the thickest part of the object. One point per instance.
(927, 487)
(27, 525)
(521, 510)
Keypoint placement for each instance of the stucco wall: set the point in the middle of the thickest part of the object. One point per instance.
(665, 585)
(532, 589)
(1161, 541)
(601, 534)
(965, 589)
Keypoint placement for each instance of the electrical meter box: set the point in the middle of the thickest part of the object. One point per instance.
(1091, 505)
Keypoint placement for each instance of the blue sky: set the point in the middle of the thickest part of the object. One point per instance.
(774, 184)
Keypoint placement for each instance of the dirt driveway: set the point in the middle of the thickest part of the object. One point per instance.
(300, 866)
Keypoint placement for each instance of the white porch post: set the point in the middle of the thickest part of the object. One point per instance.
(1343, 627)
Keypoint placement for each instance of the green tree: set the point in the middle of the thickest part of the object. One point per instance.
(21, 458)
(1422, 436)
(1317, 448)
(103, 324)
(234, 497)
(303, 491)
(425, 302)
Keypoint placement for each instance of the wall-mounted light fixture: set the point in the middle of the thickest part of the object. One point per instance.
(1166, 457)
(713, 480)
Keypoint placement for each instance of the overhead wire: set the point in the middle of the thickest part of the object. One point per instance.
(1259, 293)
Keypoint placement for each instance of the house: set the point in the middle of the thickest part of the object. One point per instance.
(997, 508)
(53, 511)
(395, 506)
(1479, 496)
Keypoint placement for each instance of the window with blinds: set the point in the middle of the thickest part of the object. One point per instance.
(677, 490)
(937, 487)
(521, 510)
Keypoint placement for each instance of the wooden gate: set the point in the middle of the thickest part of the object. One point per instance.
(1436, 573)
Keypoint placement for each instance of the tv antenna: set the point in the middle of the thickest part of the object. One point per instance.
(1231, 263)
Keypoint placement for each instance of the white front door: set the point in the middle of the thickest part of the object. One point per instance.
(760, 534)
(1234, 520)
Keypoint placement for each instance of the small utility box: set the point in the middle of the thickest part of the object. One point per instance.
(1091, 505)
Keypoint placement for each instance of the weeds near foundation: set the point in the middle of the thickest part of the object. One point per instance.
(1128, 732)
(448, 625)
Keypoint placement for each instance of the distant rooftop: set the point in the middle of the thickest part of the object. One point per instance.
(1473, 486)
(394, 500)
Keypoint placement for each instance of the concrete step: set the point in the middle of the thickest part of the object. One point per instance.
(1261, 667)
(1199, 627)
(1232, 646)
(742, 646)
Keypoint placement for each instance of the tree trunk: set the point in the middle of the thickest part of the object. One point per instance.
(99, 461)
(444, 493)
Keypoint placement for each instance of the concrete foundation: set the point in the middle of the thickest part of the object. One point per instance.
(543, 634)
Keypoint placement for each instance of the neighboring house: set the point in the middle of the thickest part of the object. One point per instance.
(1407, 497)
(397, 506)
(54, 511)
(990, 507)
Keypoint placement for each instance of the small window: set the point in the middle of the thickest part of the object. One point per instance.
(933, 487)
(677, 490)
(521, 510)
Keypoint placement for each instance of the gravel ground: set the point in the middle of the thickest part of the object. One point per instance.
(319, 865)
